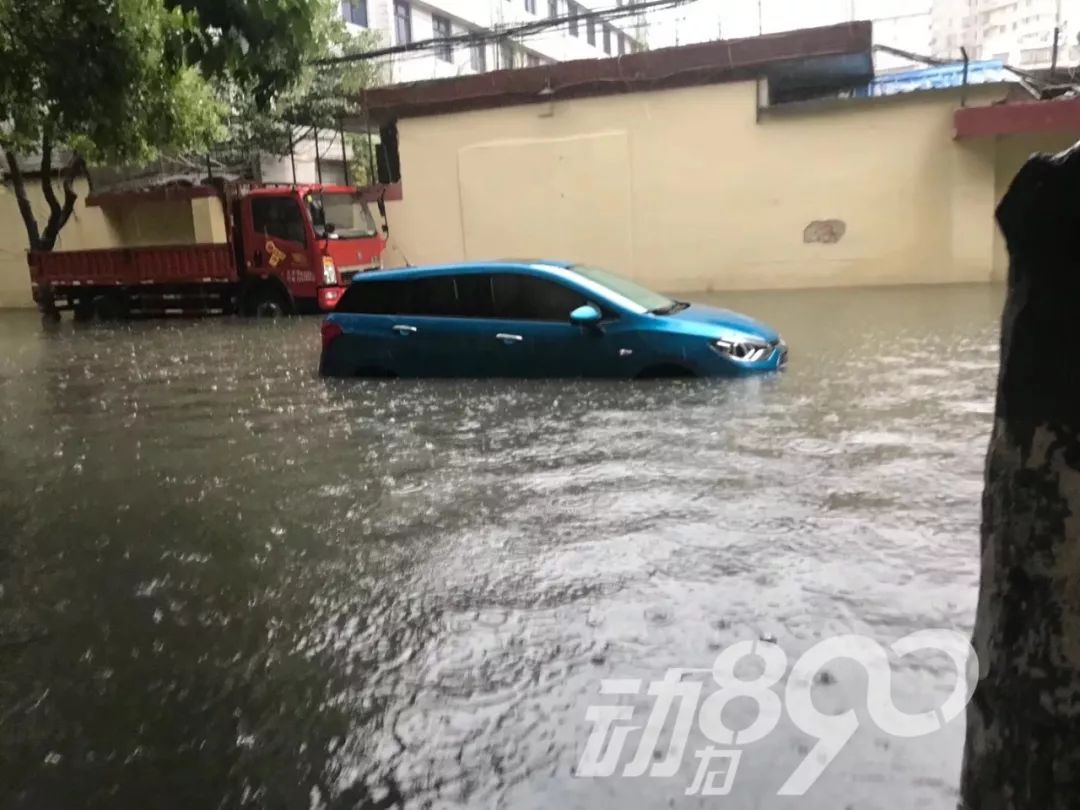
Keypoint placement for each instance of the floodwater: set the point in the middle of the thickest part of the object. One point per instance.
(227, 583)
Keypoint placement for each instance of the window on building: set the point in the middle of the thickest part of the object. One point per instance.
(590, 31)
(527, 298)
(387, 155)
(402, 22)
(478, 57)
(440, 29)
(279, 217)
(553, 8)
(355, 12)
(572, 10)
(607, 39)
(1036, 56)
(506, 54)
(530, 6)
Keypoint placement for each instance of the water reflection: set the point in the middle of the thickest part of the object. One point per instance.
(227, 583)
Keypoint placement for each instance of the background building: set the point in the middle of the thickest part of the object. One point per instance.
(1018, 32)
(747, 164)
(902, 24)
(402, 22)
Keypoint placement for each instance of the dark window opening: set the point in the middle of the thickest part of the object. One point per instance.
(440, 27)
(607, 39)
(572, 9)
(279, 217)
(590, 31)
(530, 6)
(553, 8)
(506, 54)
(389, 161)
(622, 45)
(402, 22)
(355, 12)
(478, 58)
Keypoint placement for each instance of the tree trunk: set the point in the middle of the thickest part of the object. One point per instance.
(26, 210)
(1023, 741)
(59, 213)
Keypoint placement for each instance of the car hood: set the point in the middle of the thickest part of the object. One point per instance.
(714, 320)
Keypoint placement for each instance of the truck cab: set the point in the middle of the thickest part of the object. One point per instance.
(301, 245)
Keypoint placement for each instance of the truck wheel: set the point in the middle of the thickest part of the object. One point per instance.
(107, 307)
(265, 302)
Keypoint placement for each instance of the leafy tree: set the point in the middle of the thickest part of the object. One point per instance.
(122, 81)
(318, 98)
(94, 80)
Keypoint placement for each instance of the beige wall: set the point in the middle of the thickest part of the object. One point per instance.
(88, 227)
(686, 190)
(159, 223)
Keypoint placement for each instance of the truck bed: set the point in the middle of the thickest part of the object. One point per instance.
(169, 264)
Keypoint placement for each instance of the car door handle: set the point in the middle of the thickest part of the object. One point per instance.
(402, 329)
(505, 338)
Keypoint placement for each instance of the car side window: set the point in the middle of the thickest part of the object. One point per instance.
(474, 297)
(279, 217)
(433, 296)
(520, 297)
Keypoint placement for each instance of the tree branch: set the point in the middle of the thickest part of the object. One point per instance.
(46, 179)
(26, 210)
(61, 215)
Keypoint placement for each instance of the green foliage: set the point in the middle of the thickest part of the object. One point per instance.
(122, 81)
(105, 78)
(318, 97)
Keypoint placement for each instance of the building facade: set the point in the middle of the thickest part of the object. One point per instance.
(576, 36)
(708, 185)
(1017, 32)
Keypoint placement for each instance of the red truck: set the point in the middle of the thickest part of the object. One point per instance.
(290, 249)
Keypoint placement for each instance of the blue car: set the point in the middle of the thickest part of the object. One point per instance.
(534, 319)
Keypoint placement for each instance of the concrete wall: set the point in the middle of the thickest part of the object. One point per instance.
(686, 190)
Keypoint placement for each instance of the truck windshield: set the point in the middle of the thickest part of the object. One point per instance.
(347, 216)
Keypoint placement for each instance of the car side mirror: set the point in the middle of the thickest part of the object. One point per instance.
(587, 315)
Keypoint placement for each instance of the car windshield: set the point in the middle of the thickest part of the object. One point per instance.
(346, 215)
(642, 296)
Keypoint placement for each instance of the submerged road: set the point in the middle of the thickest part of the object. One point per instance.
(227, 583)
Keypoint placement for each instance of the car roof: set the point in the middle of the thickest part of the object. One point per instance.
(405, 273)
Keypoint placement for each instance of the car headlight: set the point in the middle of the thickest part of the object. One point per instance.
(746, 351)
(329, 271)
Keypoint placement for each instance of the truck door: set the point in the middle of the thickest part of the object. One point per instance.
(280, 238)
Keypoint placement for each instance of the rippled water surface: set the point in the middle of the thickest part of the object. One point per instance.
(228, 583)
